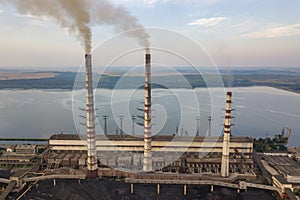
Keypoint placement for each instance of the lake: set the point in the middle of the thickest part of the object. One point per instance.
(259, 111)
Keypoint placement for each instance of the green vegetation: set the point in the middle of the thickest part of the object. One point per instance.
(278, 143)
(280, 81)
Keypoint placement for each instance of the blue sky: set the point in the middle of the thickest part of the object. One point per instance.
(249, 33)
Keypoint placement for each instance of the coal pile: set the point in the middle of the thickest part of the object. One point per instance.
(118, 190)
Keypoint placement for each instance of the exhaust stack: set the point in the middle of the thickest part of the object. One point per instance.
(147, 167)
(92, 167)
(226, 137)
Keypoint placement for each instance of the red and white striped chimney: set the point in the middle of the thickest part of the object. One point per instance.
(226, 137)
(92, 167)
(147, 167)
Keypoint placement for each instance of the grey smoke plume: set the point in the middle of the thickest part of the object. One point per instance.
(79, 15)
(106, 13)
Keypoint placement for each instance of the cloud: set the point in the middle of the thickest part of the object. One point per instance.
(208, 22)
(1, 11)
(282, 31)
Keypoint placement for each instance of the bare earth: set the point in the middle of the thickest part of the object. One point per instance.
(19, 76)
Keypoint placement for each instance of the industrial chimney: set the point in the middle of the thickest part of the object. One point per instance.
(226, 137)
(147, 167)
(92, 167)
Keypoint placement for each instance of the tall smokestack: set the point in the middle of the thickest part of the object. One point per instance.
(92, 166)
(147, 115)
(226, 137)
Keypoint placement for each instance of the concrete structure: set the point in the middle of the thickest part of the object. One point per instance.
(280, 182)
(90, 120)
(226, 138)
(295, 153)
(147, 164)
(169, 157)
(242, 185)
(7, 190)
(67, 160)
(10, 148)
(286, 166)
(82, 161)
(115, 143)
(14, 159)
(75, 160)
(25, 149)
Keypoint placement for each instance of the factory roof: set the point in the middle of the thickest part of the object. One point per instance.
(154, 138)
(25, 146)
(286, 165)
(65, 137)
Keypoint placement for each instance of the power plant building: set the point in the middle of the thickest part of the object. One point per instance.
(169, 153)
(25, 149)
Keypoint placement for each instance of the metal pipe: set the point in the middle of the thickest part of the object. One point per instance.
(209, 126)
(226, 137)
(105, 117)
(147, 167)
(133, 122)
(90, 120)
(121, 124)
(198, 126)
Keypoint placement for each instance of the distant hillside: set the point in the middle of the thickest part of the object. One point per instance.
(282, 79)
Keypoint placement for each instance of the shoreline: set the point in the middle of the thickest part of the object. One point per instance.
(175, 88)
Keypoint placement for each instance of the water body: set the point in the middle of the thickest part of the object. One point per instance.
(259, 111)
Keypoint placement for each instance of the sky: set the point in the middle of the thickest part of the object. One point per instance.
(234, 33)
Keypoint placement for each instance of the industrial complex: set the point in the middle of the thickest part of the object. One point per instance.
(226, 161)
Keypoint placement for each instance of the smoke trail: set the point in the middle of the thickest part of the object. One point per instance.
(79, 15)
(73, 15)
(106, 13)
